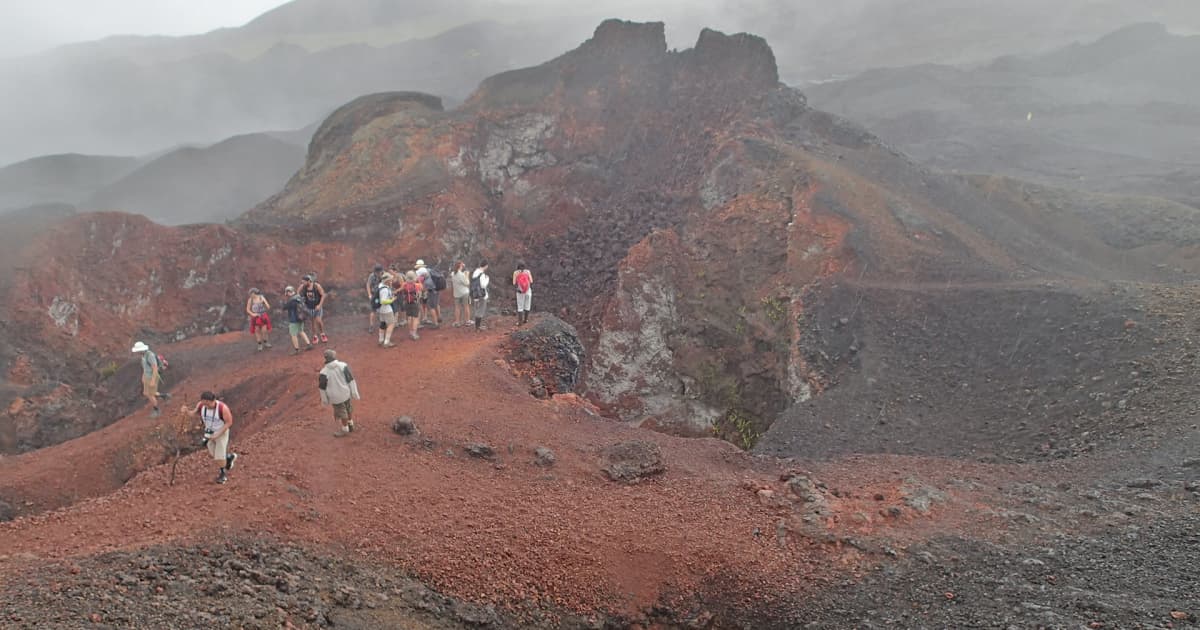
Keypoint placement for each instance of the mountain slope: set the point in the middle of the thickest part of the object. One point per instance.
(59, 178)
(211, 184)
(1113, 116)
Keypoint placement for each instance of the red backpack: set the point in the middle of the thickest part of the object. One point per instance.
(524, 279)
(412, 292)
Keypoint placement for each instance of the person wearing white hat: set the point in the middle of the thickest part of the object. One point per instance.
(424, 282)
(150, 376)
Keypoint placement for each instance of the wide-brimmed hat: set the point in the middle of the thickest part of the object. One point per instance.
(255, 292)
(290, 289)
(411, 276)
(386, 277)
(140, 347)
(420, 263)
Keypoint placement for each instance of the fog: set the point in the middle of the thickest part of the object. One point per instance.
(134, 96)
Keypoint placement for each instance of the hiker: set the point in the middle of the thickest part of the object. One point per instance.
(523, 280)
(151, 376)
(387, 313)
(218, 420)
(314, 303)
(373, 281)
(479, 294)
(410, 296)
(433, 283)
(462, 294)
(294, 305)
(258, 309)
(338, 388)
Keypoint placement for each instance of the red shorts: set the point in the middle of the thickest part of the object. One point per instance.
(260, 321)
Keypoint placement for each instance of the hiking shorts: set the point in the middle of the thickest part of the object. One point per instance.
(149, 386)
(479, 308)
(343, 411)
(464, 300)
(388, 317)
(314, 312)
(218, 447)
(259, 322)
(524, 300)
(412, 309)
(295, 328)
(432, 299)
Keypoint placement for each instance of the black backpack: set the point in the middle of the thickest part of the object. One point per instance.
(477, 292)
(439, 281)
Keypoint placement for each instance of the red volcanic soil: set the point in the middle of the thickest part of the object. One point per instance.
(503, 530)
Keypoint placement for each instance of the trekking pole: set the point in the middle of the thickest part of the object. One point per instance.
(180, 429)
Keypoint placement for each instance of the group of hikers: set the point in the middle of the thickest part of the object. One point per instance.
(415, 293)
(409, 298)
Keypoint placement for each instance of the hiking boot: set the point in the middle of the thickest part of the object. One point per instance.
(294, 352)
(308, 347)
(259, 348)
(414, 336)
(324, 339)
(388, 345)
(350, 426)
(230, 460)
(268, 345)
(156, 413)
(221, 478)
(342, 432)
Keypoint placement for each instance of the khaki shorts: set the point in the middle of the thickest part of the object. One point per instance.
(149, 387)
(387, 318)
(343, 411)
(217, 447)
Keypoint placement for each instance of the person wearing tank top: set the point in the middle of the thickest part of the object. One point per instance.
(258, 310)
(217, 420)
(314, 302)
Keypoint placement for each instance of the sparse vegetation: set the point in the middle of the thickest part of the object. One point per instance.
(108, 369)
(775, 308)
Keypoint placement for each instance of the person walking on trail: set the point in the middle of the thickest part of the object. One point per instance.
(423, 280)
(314, 303)
(151, 377)
(373, 281)
(294, 305)
(461, 285)
(410, 296)
(387, 313)
(338, 388)
(523, 281)
(479, 294)
(258, 310)
(218, 420)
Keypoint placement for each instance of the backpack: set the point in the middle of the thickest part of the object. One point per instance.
(162, 363)
(439, 281)
(412, 292)
(524, 279)
(477, 291)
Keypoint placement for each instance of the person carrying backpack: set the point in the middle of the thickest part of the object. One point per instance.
(151, 376)
(387, 312)
(373, 280)
(294, 305)
(410, 295)
(339, 389)
(523, 281)
(433, 283)
(314, 303)
(479, 294)
(217, 419)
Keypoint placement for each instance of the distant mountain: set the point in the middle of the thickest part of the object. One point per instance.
(298, 62)
(64, 179)
(211, 184)
(1117, 115)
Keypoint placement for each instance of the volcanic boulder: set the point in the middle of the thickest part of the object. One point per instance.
(631, 462)
(550, 356)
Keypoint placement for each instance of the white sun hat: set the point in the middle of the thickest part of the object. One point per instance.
(140, 347)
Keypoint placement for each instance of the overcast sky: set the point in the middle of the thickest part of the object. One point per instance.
(27, 26)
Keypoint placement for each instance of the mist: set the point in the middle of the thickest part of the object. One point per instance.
(286, 70)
